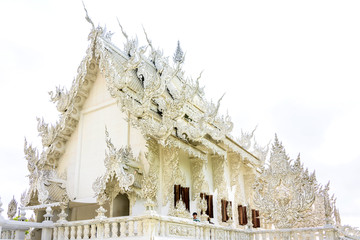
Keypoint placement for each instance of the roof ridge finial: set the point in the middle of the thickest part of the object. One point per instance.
(87, 17)
(179, 54)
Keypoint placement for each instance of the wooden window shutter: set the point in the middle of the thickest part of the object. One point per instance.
(185, 196)
(177, 193)
(223, 210)
(245, 220)
(210, 210)
(253, 217)
(241, 214)
(257, 215)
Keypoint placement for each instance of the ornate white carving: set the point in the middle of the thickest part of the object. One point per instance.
(328, 204)
(261, 152)
(292, 190)
(115, 164)
(161, 90)
(180, 210)
(245, 139)
(229, 212)
(219, 179)
(179, 54)
(203, 207)
(199, 183)
(171, 173)
(177, 230)
(41, 174)
(12, 208)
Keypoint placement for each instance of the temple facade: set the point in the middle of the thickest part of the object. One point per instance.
(138, 149)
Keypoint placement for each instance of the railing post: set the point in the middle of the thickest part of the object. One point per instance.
(20, 234)
(140, 228)
(86, 232)
(46, 232)
(79, 232)
(114, 230)
(107, 230)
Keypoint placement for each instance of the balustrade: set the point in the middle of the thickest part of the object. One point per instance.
(162, 226)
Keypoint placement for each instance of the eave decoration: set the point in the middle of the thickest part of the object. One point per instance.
(284, 192)
(116, 178)
(46, 185)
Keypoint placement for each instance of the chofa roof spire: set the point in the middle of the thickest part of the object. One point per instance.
(179, 54)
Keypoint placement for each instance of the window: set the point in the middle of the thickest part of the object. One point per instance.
(183, 193)
(209, 200)
(224, 204)
(255, 218)
(242, 215)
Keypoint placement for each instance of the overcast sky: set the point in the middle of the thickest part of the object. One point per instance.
(290, 67)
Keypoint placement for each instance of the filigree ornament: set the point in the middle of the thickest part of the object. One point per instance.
(260, 152)
(41, 174)
(157, 85)
(245, 139)
(292, 189)
(180, 210)
(172, 174)
(229, 212)
(328, 204)
(12, 208)
(115, 174)
(199, 183)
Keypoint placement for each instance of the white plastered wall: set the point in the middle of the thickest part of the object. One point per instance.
(84, 156)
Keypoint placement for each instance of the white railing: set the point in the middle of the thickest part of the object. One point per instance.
(153, 226)
(145, 226)
(318, 233)
(11, 229)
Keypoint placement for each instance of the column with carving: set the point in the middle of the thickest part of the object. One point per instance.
(171, 173)
(219, 181)
(236, 179)
(151, 177)
(199, 183)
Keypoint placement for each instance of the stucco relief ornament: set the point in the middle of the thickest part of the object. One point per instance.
(293, 190)
(115, 164)
(245, 139)
(229, 213)
(37, 176)
(260, 152)
(203, 207)
(12, 208)
(337, 215)
(180, 210)
(62, 215)
(62, 97)
(328, 204)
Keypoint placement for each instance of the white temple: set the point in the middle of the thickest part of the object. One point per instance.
(137, 149)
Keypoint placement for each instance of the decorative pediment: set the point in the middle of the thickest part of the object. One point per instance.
(116, 163)
(45, 183)
(293, 190)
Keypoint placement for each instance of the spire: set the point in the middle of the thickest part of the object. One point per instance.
(179, 55)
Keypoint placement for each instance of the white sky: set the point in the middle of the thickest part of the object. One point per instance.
(292, 67)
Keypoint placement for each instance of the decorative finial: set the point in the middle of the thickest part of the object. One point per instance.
(179, 54)
(122, 30)
(12, 207)
(87, 17)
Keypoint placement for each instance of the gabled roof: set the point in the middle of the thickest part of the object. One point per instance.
(162, 103)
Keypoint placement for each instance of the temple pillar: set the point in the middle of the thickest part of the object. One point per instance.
(220, 182)
(199, 183)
